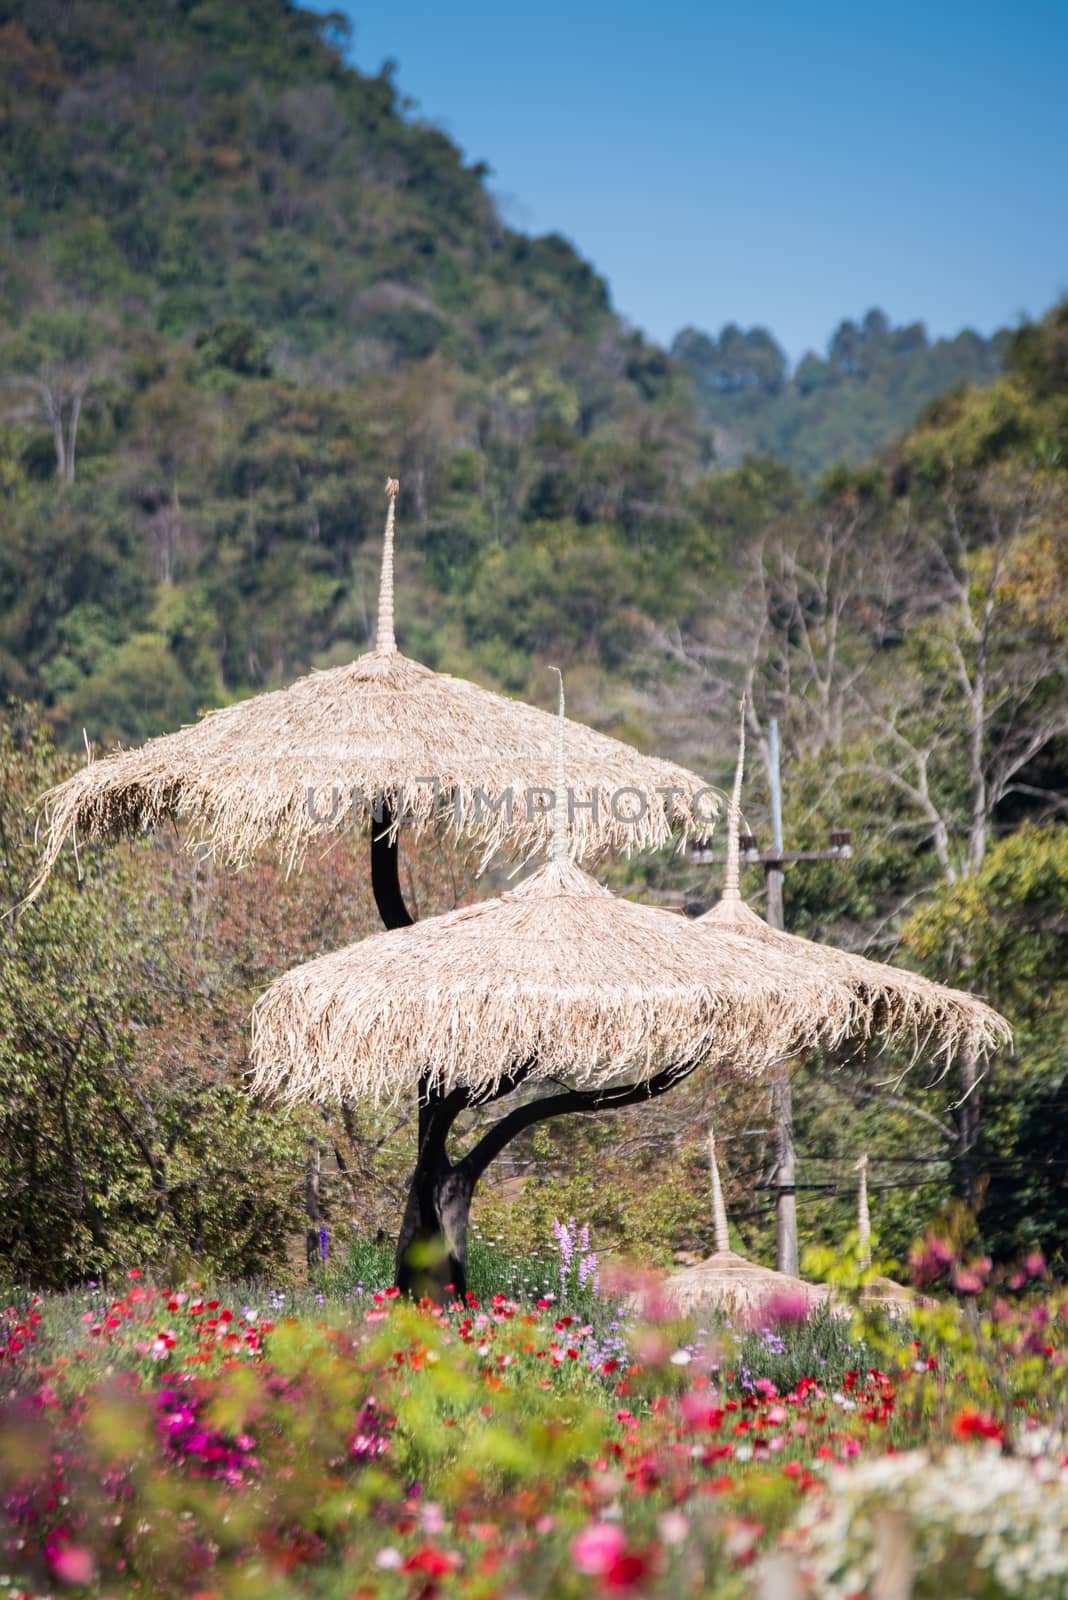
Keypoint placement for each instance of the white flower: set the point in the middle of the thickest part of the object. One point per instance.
(970, 1511)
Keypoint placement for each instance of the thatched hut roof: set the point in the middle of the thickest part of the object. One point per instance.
(881, 1291)
(726, 1281)
(285, 767)
(898, 1003)
(557, 977)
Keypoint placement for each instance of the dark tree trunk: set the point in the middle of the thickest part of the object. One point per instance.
(312, 1236)
(431, 1259)
(385, 874)
(432, 1246)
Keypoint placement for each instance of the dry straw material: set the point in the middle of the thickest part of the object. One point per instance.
(557, 975)
(726, 1281)
(557, 979)
(893, 1297)
(286, 766)
(897, 1004)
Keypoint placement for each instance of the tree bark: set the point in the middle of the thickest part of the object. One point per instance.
(311, 1207)
(385, 873)
(432, 1245)
(431, 1259)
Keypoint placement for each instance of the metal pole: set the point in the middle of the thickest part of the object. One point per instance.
(782, 1100)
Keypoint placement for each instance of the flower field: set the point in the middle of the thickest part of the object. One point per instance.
(184, 1443)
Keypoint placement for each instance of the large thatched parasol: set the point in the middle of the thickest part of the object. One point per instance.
(726, 1281)
(382, 737)
(896, 1003)
(556, 979)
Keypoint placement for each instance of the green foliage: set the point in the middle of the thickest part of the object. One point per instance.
(1004, 932)
(105, 1158)
(858, 398)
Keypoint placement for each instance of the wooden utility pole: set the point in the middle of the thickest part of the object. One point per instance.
(786, 1253)
(774, 861)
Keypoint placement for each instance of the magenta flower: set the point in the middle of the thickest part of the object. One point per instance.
(74, 1564)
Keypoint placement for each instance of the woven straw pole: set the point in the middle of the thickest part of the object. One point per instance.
(385, 643)
(732, 875)
(719, 1209)
(559, 847)
(863, 1216)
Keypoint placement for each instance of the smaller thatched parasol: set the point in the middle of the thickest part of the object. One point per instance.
(726, 1281)
(884, 1292)
(379, 740)
(896, 1004)
(555, 979)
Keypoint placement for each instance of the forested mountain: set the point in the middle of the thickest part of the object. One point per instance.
(858, 398)
(239, 285)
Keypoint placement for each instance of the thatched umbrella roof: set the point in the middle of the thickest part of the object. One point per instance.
(897, 1003)
(285, 766)
(556, 978)
(727, 1281)
(880, 1291)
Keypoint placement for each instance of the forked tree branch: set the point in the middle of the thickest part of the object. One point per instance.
(526, 1116)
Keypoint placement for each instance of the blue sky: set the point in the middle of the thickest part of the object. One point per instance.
(778, 162)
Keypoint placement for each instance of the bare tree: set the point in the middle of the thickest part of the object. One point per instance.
(57, 394)
(956, 740)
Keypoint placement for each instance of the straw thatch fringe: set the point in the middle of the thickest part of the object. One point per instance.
(557, 973)
(284, 767)
(913, 1010)
(921, 1015)
(728, 1282)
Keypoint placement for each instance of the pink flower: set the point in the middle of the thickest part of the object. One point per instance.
(673, 1527)
(597, 1548)
(74, 1564)
(930, 1260)
(779, 1309)
(1035, 1264)
(970, 1280)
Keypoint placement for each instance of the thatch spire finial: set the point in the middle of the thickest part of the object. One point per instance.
(732, 875)
(719, 1209)
(863, 1216)
(385, 642)
(560, 819)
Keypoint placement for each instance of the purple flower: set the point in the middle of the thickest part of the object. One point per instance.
(323, 1248)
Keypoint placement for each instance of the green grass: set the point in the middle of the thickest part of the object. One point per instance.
(491, 1270)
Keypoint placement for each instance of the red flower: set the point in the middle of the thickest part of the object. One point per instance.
(627, 1570)
(429, 1560)
(972, 1424)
